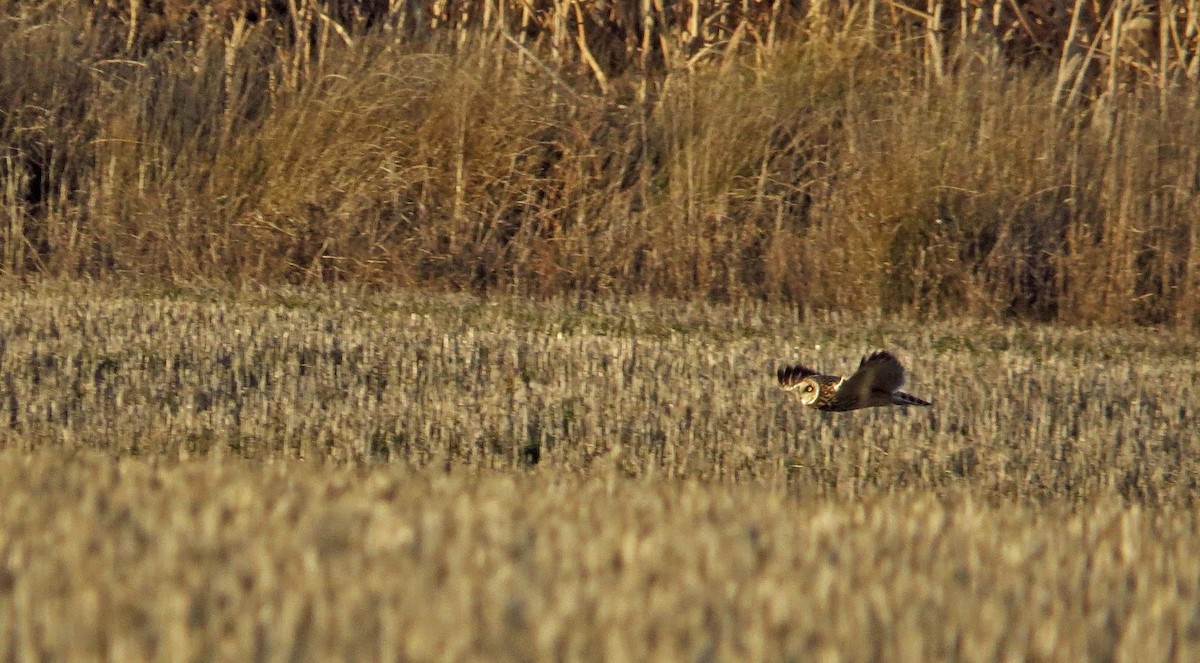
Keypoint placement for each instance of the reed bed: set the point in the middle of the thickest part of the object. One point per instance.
(988, 159)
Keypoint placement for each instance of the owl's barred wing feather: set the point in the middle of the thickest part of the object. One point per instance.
(791, 376)
(901, 398)
(878, 372)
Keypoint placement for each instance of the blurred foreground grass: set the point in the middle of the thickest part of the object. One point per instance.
(132, 560)
(322, 475)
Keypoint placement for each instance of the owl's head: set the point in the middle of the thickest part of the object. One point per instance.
(808, 390)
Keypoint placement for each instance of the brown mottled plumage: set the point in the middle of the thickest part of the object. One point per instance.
(876, 383)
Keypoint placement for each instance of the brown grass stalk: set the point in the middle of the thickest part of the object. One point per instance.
(771, 155)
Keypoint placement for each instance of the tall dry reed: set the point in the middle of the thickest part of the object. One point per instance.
(1031, 160)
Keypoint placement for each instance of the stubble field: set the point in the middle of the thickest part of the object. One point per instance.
(309, 475)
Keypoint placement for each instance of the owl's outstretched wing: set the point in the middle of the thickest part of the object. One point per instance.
(791, 376)
(878, 372)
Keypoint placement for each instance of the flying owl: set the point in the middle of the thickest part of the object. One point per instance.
(876, 383)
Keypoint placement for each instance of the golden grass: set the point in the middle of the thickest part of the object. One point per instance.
(335, 475)
(854, 156)
(136, 560)
(658, 389)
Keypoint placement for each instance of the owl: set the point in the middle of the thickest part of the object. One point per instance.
(876, 383)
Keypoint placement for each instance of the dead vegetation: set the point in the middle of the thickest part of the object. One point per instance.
(356, 472)
(329, 474)
(654, 389)
(139, 560)
(1002, 159)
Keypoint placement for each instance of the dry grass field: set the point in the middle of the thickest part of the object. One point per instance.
(321, 475)
(312, 452)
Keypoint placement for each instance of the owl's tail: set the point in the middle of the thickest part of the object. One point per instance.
(901, 398)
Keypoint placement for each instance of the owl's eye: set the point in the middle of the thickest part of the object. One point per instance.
(807, 388)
